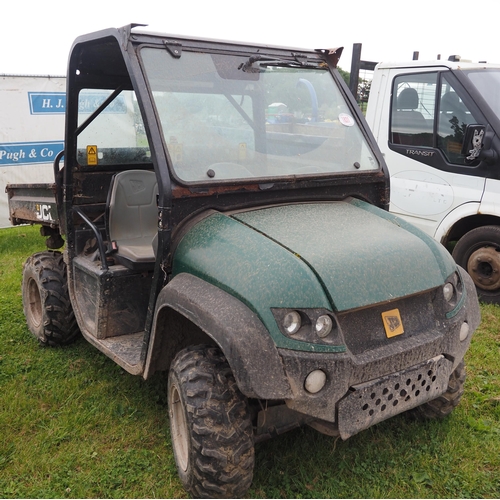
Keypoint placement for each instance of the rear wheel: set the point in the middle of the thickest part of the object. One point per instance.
(46, 302)
(478, 251)
(443, 405)
(210, 424)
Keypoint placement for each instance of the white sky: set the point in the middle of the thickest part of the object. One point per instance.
(35, 36)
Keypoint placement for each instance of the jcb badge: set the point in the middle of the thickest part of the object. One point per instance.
(392, 323)
(43, 212)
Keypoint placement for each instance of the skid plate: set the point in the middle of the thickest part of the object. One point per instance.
(379, 399)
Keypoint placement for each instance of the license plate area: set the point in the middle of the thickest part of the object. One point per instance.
(379, 399)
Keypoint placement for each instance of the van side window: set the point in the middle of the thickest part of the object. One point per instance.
(453, 119)
(428, 111)
(413, 109)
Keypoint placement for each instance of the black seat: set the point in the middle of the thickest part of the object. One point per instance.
(409, 126)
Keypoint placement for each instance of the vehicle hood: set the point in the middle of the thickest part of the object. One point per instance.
(362, 255)
(334, 255)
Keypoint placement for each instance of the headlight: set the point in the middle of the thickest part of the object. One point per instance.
(453, 295)
(324, 325)
(292, 322)
(317, 326)
(448, 292)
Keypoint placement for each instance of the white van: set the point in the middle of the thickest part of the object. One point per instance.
(438, 124)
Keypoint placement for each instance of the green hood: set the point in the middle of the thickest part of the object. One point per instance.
(336, 255)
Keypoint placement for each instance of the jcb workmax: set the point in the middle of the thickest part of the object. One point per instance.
(224, 208)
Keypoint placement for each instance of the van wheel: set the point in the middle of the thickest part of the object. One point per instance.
(478, 251)
(443, 405)
(46, 302)
(210, 425)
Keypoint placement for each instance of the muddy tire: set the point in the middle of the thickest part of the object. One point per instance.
(478, 252)
(46, 302)
(443, 405)
(210, 425)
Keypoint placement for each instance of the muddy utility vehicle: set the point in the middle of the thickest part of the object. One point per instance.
(224, 208)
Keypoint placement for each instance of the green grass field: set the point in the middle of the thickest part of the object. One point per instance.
(75, 425)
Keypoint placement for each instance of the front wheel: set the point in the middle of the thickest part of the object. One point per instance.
(210, 425)
(443, 405)
(46, 302)
(478, 251)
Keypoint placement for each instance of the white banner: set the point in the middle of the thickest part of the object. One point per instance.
(31, 131)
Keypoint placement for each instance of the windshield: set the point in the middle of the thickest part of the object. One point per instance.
(228, 117)
(487, 82)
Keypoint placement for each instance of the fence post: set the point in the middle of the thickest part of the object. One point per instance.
(355, 66)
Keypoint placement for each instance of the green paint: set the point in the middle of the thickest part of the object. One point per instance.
(360, 256)
(254, 269)
(336, 255)
(446, 264)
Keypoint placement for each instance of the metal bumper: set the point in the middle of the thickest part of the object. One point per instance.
(374, 401)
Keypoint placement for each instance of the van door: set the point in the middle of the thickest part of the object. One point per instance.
(430, 177)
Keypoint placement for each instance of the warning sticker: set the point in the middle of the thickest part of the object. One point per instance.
(91, 155)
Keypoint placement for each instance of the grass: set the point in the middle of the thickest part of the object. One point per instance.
(75, 425)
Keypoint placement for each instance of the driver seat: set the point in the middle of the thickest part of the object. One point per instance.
(133, 217)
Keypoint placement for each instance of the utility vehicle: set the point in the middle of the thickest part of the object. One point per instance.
(224, 209)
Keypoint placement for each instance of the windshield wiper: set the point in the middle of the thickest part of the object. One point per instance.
(299, 61)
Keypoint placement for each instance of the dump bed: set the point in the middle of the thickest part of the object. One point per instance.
(32, 203)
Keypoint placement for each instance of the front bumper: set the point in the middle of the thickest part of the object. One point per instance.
(370, 403)
(364, 387)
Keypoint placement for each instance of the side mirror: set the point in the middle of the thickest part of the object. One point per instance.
(473, 142)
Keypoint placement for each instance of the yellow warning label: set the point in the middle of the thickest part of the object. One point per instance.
(175, 150)
(91, 155)
(392, 323)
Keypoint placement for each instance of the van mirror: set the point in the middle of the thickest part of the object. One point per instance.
(473, 142)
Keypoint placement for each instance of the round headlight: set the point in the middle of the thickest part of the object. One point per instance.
(324, 325)
(315, 381)
(292, 322)
(448, 291)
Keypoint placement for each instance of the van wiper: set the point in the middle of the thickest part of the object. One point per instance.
(299, 61)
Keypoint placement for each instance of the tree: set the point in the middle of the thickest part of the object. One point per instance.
(364, 87)
(345, 75)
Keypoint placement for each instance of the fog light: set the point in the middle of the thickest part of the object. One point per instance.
(292, 322)
(464, 331)
(315, 381)
(324, 326)
(448, 292)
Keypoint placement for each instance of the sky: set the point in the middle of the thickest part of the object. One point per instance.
(36, 36)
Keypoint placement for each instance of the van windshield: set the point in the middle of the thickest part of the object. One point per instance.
(227, 117)
(487, 82)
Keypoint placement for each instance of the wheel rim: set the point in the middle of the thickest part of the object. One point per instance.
(484, 268)
(34, 303)
(179, 428)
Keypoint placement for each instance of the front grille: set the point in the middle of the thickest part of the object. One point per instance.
(377, 400)
(363, 330)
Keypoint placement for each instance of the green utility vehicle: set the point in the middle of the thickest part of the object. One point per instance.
(224, 208)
